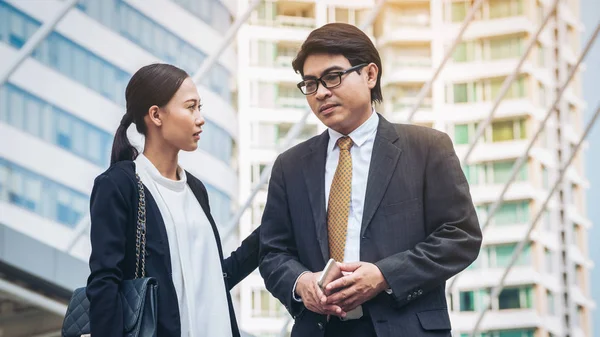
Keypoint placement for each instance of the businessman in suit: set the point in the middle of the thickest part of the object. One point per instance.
(389, 202)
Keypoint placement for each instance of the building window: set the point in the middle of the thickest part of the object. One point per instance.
(473, 173)
(550, 303)
(467, 301)
(461, 93)
(511, 213)
(549, 259)
(505, 8)
(220, 204)
(499, 256)
(41, 195)
(95, 73)
(462, 134)
(516, 89)
(39, 118)
(459, 10)
(516, 298)
(265, 305)
(213, 12)
(216, 141)
(502, 169)
(506, 47)
(474, 300)
(508, 130)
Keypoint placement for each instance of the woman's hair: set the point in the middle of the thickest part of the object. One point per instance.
(341, 39)
(154, 84)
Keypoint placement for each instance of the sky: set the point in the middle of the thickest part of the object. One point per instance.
(590, 16)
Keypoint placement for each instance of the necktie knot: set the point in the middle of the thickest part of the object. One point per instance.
(345, 143)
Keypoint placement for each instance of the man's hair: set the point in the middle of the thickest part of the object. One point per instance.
(341, 39)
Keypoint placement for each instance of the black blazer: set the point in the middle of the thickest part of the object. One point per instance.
(113, 209)
(419, 227)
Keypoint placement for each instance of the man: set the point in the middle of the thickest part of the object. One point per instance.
(391, 201)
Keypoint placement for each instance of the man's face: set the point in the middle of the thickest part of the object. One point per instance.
(348, 105)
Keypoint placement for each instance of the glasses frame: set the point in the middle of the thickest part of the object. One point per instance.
(321, 81)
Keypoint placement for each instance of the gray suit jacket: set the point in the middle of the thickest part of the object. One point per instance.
(419, 227)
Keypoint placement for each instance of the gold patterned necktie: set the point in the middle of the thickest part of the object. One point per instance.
(339, 201)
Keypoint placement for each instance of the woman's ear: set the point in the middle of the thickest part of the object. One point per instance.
(155, 115)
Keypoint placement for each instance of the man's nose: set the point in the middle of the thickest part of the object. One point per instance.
(322, 92)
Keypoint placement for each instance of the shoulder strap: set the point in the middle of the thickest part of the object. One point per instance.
(140, 236)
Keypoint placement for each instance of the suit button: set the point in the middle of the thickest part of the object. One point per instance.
(420, 292)
(409, 297)
(320, 325)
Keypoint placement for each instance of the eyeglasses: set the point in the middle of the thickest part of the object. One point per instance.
(329, 80)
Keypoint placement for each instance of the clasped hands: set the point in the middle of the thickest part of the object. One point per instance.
(363, 282)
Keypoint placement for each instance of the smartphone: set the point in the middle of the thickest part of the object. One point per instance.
(330, 273)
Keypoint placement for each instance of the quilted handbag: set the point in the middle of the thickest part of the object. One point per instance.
(138, 296)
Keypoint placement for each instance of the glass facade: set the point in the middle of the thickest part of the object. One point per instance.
(213, 12)
(51, 124)
(64, 55)
(130, 23)
(40, 195)
(37, 117)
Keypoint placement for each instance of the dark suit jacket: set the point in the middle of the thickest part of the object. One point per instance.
(419, 227)
(113, 209)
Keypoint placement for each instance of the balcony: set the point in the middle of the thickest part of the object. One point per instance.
(402, 32)
(459, 112)
(406, 23)
(397, 110)
(492, 27)
(294, 21)
(408, 70)
(283, 61)
(407, 103)
(291, 102)
(287, 21)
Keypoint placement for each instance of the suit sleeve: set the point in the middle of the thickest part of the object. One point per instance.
(108, 211)
(279, 265)
(243, 260)
(454, 236)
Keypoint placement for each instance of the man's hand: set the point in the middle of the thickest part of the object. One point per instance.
(313, 298)
(350, 291)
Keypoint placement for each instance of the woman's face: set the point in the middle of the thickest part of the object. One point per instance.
(181, 120)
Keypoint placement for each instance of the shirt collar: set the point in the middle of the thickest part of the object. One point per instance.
(361, 134)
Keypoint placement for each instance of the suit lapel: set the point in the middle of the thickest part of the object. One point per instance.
(384, 160)
(314, 176)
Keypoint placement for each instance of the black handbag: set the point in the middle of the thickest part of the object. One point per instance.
(138, 296)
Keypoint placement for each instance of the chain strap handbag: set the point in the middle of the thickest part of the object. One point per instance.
(138, 296)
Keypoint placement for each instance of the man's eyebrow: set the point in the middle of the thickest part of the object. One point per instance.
(328, 70)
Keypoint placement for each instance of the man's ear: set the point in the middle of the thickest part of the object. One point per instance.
(372, 72)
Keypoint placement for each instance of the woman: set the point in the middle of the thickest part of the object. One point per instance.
(183, 249)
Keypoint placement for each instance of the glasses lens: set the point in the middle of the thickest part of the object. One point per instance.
(309, 86)
(332, 79)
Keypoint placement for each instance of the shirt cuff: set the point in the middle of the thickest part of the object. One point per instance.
(296, 298)
(389, 291)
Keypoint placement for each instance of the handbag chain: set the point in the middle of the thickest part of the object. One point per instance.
(140, 240)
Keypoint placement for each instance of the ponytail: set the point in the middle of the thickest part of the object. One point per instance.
(122, 148)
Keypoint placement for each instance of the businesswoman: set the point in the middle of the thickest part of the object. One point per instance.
(183, 248)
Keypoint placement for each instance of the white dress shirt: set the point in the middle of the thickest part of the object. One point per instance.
(363, 139)
(195, 261)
